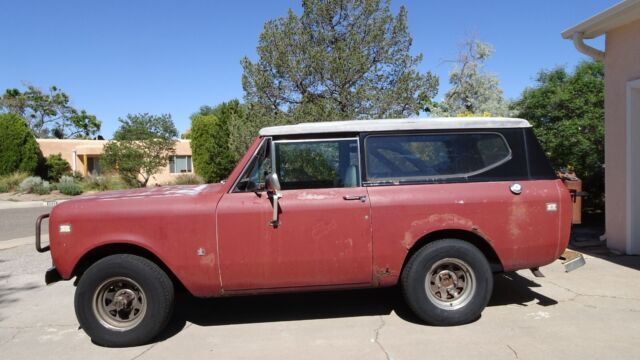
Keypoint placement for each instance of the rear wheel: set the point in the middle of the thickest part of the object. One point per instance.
(447, 282)
(123, 300)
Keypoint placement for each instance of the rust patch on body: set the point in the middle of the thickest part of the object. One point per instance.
(380, 273)
(407, 241)
(312, 196)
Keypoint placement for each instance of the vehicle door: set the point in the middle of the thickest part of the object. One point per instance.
(321, 233)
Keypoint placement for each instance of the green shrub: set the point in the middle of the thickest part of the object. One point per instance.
(11, 182)
(77, 176)
(188, 179)
(70, 188)
(18, 147)
(42, 189)
(34, 185)
(56, 167)
(67, 179)
(29, 183)
(212, 159)
(104, 183)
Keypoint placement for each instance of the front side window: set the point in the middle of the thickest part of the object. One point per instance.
(180, 164)
(425, 157)
(252, 179)
(317, 164)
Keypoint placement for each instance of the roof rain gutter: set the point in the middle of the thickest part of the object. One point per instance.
(578, 42)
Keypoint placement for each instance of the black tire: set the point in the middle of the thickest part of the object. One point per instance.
(444, 262)
(134, 281)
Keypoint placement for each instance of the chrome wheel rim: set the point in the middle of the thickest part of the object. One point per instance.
(450, 284)
(119, 303)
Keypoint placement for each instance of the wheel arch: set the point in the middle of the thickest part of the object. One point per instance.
(468, 236)
(105, 250)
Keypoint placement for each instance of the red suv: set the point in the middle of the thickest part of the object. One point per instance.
(435, 205)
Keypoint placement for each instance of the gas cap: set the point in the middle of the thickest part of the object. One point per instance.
(516, 188)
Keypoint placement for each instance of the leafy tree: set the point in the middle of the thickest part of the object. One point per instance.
(567, 113)
(50, 114)
(56, 166)
(473, 92)
(245, 125)
(140, 147)
(18, 148)
(211, 141)
(339, 59)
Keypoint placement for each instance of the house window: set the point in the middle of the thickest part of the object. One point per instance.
(93, 165)
(180, 164)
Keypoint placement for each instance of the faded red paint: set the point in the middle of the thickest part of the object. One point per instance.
(323, 241)
(518, 227)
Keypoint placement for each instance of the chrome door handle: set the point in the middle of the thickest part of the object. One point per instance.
(362, 198)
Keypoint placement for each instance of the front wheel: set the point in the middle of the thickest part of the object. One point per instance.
(447, 282)
(123, 300)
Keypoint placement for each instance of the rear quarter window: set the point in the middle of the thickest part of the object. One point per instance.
(425, 157)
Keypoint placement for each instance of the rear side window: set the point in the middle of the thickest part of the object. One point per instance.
(427, 157)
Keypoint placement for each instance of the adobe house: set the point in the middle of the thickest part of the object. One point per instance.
(620, 25)
(84, 157)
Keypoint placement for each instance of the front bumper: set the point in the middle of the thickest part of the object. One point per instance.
(52, 275)
(39, 246)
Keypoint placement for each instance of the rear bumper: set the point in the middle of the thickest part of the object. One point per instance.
(572, 260)
(52, 275)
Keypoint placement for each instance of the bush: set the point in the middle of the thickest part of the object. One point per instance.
(188, 179)
(56, 167)
(42, 189)
(104, 183)
(64, 179)
(11, 182)
(77, 175)
(34, 185)
(212, 158)
(18, 147)
(70, 188)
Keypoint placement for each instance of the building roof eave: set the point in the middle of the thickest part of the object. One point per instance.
(613, 17)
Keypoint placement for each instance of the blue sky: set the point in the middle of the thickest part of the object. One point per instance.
(118, 57)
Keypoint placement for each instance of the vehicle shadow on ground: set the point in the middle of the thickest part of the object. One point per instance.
(510, 288)
(7, 293)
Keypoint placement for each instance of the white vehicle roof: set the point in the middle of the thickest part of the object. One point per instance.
(396, 124)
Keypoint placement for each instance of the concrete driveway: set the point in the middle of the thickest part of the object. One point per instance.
(592, 313)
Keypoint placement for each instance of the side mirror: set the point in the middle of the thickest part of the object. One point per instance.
(272, 183)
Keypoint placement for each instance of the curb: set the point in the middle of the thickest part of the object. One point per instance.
(5, 204)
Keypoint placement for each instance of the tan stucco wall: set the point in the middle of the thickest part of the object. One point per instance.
(67, 147)
(622, 64)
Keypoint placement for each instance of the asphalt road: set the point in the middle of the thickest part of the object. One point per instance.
(20, 222)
